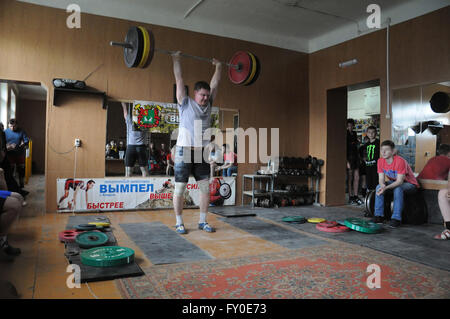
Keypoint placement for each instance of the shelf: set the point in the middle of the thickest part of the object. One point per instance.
(58, 91)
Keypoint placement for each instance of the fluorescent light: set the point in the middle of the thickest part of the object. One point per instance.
(348, 63)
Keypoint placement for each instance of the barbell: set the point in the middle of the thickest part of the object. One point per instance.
(139, 49)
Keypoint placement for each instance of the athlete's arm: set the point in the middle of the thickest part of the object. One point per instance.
(181, 93)
(125, 110)
(214, 84)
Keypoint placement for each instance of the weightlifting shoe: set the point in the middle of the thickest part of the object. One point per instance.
(11, 251)
(180, 229)
(358, 201)
(378, 220)
(206, 227)
(394, 223)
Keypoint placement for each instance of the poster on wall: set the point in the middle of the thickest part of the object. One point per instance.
(158, 117)
(116, 194)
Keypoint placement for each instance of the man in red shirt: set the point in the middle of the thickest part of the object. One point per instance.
(401, 180)
(438, 166)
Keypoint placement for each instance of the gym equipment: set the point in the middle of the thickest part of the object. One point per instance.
(333, 229)
(101, 224)
(440, 102)
(91, 239)
(88, 227)
(316, 220)
(139, 47)
(362, 225)
(68, 236)
(370, 203)
(328, 223)
(107, 256)
(294, 219)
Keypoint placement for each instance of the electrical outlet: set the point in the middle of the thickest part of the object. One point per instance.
(77, 142)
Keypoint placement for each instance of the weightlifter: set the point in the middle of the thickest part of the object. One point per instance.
(189, 146)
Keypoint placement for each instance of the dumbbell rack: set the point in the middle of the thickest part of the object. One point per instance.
(253, 193)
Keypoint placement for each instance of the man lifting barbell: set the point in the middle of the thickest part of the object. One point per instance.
(189, 148)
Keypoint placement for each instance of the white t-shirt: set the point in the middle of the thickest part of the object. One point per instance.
(190, 112)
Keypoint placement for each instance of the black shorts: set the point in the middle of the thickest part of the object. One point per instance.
(2, 203)
(134, 152)
(354, 162)
(185, 165)
(362, 168)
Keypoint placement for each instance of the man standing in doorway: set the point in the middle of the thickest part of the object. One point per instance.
(372, 154)
(16, 143)
(352, 164)
(190, 146)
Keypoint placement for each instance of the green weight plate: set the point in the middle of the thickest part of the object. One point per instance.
(294, 219)
(91, 239)
(362, 225)
(107, 256)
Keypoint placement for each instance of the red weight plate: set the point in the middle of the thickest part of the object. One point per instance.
(68, 236)
(328, 224)
(336, 229)
(242, 59)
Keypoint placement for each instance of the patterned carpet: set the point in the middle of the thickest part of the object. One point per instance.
(329, 272)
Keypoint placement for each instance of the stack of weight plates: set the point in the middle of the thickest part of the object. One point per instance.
(107, 256)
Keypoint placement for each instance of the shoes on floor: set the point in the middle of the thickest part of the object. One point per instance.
(358, 201)
(378, 219)
(180, 229)
(206, 227)
(394, 223)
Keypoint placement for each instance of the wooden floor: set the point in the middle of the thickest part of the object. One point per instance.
(40, 271)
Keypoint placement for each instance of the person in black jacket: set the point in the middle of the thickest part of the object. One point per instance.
(352, 164)
(371, 151)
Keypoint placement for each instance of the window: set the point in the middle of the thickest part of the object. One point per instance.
(3, 103)
(12, 114)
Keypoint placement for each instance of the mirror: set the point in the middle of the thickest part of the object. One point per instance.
(158, 140)
(417, 130)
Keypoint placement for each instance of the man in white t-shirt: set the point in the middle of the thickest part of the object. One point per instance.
(195, 119)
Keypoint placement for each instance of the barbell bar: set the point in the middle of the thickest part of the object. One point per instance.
(139, 47)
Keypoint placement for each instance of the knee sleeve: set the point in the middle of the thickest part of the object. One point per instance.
(203, 185)
(179, 188)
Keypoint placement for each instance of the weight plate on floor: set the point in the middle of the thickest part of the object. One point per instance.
(242, 59)
(335, 229)
(87, 227)
(294, 219)
(133, 56)
(91, 239)
(316, 220)
(107, 256)
(328, 223)
(362, 225)
(68, 236)
(101, 224)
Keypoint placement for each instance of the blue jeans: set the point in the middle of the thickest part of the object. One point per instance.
(399, 192)
(230, 170)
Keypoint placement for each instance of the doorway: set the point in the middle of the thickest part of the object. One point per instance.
(26, 102)
(361, 102)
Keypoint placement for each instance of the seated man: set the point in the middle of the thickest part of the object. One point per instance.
(10, 208)
(401, 180)
(438, 168)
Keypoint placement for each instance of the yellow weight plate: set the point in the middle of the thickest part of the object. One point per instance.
(146, 51)
(316, 220)
(254, 67)
(103, 224)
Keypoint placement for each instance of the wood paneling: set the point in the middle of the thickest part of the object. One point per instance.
(44, 48)
(31, 117)
(419, 53)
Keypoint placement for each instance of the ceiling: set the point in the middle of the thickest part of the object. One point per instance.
(300, 25)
